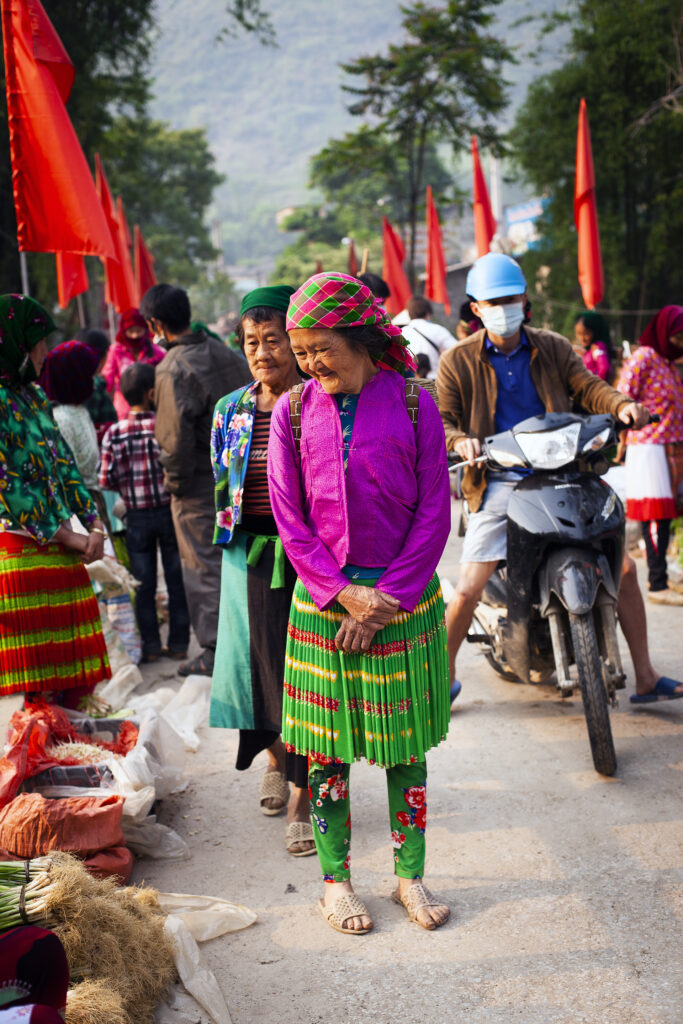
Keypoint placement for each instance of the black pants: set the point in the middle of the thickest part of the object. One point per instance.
(656, 535)
(145, 529)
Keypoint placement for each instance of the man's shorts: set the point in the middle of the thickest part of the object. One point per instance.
(486, 536)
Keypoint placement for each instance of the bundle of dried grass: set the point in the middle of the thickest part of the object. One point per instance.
(94, 1002)
(115, 936)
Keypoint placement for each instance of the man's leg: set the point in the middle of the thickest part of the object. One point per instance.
(142, 552)
(473, 578)
(193, 519)
(631, 611)
(178, 614)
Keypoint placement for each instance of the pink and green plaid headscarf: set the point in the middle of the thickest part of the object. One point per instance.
(334, 301)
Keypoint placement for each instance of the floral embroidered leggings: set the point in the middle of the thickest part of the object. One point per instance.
(329, 793)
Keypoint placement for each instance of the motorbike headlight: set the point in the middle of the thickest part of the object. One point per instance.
(507, 459)
(596, 442)
(552, 448)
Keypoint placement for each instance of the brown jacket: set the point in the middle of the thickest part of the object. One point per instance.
(468, 389)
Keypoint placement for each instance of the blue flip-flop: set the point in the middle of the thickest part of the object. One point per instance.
(456, 687)
(665, 689)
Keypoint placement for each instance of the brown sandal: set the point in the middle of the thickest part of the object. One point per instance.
(345, 907)
(274, 786)
(417, 897)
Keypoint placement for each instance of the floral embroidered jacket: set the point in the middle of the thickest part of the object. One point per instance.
(40, 486)
(233, 424)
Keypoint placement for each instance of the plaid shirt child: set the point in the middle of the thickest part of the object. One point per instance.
(130, 462)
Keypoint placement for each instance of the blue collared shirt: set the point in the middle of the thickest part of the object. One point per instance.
(517, 395)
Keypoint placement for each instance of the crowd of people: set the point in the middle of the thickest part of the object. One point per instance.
(296, 492)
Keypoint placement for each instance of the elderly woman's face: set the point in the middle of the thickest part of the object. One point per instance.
(329, 358)
(38, 355)
(268, 352)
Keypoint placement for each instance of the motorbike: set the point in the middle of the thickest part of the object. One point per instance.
(552, 604)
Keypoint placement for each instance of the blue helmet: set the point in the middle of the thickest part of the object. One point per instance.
(493, 276)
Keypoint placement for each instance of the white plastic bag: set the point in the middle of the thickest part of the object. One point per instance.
(207, 917)
(149, 838)
(199, 981)
(118, 689)
(186, 709)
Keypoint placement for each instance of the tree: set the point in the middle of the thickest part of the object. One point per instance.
(442, 83)
(620, 65)
(167, 179)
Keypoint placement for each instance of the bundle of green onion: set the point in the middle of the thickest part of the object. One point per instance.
(24, 888)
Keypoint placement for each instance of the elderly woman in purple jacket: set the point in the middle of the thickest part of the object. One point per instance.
(359, 489)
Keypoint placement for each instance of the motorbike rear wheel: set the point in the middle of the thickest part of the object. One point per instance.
(588, 663)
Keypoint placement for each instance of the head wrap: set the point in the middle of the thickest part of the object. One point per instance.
(334, 301)
(134, 318)
(68, 371)
(198, 326)
(23, 323)
(656, 335)
(273, 297)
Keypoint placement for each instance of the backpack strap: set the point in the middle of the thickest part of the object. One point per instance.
(413, 401)
(295, 414)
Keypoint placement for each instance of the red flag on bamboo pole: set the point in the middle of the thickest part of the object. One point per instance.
(125, 243)
(72, 277)
(591, 277)
(435, 283)
(393, 255)
(115, 283)
(145, 278)
(484, 221)
(353, 262)
(55, 201)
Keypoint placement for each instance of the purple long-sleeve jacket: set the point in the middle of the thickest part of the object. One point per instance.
(392, 508)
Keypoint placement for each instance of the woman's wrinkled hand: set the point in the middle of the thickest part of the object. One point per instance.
(369, 606)
(70, 539)
(354, 636)
(94, 548)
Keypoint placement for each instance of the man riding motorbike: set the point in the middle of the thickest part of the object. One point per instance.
(501, 375)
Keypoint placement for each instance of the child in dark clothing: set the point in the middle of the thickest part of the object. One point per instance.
(130, 465)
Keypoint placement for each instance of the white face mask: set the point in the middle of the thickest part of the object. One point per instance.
(503, 320)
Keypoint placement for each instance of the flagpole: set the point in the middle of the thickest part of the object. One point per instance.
(81, 311)
(24, 273)
(364, 261)
(112, 329)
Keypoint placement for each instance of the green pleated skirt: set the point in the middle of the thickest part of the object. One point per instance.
(389, 705)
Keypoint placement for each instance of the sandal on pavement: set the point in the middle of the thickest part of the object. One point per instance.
(202, 665)
(665, 689)
(274, 786)
(299, 832)
(417, 897)
(343, 909)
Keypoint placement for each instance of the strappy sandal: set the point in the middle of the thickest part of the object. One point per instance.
(299, 832)
(417, 897)
(274, 786)
(343, 909)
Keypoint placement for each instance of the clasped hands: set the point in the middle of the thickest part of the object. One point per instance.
(369, 611)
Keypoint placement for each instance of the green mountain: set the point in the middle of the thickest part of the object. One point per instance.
(268, 110)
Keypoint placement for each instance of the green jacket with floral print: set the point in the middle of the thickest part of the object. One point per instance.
(233, 424)
(40, 486)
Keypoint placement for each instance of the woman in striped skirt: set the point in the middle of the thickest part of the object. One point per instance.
(359, 488)
(51, 642)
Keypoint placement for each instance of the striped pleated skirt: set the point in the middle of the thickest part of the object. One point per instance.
(50, 629)
(389, 704)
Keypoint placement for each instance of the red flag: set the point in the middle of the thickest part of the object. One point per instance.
(591, 277)
(484, 222)
(116, 285)
(125, 242)
(72, 278)
(145, 278)
(393, 255)
(353, 262)
(55, 201)
(319, 267)
(435, 283)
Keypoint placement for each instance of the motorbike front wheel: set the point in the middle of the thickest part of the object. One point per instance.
(587, 657)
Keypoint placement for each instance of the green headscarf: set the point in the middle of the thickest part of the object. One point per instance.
(273, 297)
(23, 323)
(198, 325)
